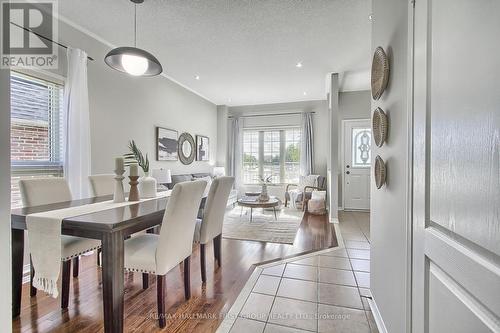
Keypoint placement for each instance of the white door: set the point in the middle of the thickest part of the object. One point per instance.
(357, 161)
(456, 186)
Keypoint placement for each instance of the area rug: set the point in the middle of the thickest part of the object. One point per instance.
(263, 227)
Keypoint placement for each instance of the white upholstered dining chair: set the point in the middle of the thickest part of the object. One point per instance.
(210, 226)
(158, 254)
(44, 191)
(103, 184)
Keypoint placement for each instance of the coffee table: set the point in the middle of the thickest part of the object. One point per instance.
(273, 202)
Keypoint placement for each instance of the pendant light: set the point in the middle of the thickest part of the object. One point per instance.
(132, 60)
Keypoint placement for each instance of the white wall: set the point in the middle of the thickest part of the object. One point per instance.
(123, 107)
(389, 222)
(222, 114)
(5, 251)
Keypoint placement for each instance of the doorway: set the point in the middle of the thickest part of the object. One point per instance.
(356, 164)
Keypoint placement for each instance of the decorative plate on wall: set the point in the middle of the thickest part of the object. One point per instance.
(379, 127)
(186, 148)
(380, 172)
(380, 72)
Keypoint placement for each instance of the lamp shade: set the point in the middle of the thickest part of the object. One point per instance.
(219, 171)
(162, 176)
(133, 61)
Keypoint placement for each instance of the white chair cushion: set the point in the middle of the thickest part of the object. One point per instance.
(140, 253)
(318, 195)
(72, 247)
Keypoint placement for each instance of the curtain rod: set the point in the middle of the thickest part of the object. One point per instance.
(270, 114)
(43, 37)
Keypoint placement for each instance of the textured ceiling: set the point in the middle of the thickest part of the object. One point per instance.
(244, 51)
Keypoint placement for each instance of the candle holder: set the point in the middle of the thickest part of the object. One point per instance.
(133, 195)
(119, 194)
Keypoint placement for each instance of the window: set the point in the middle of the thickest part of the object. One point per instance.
(250, 157)
(274, 153)
(361, 150)
(36, 130)
(292, 155)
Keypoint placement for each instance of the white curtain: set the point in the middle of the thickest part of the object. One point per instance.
(77, 124)
(307, 145)
(234, 150)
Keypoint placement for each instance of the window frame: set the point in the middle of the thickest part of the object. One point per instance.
(282, 152)
(54, 166)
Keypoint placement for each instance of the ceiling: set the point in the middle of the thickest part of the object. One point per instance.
(244, 51)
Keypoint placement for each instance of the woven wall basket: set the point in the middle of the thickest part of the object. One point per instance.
(380, 72)
(380, 127)
(380, 172)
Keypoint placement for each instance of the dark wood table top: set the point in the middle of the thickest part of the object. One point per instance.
(128, 218)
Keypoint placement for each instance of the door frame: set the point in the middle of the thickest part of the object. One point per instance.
(342, 157)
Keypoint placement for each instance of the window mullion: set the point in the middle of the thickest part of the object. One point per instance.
(282, 155)
(261, 154)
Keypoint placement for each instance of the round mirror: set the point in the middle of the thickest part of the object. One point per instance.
(186, 148)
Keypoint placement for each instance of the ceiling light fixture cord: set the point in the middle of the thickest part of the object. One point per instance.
(135, 25)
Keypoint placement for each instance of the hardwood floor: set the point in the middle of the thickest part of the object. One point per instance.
(204, 310)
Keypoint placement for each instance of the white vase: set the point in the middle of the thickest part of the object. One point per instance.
(147, 186)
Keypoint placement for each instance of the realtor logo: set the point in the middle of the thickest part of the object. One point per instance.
(29, 34)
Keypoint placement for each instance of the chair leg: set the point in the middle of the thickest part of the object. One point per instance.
(99, 257)
(202, 263)
(76, 264)
(217, 249)
(145, 280)
(160, 294)
(187, 277)
(66, 274)
(32, 275)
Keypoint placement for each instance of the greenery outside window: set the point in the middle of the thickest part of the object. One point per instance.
(273, 152)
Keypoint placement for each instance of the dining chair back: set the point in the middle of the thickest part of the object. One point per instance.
(215, 207)
(44, 191)
(177, 229)
(103, 184)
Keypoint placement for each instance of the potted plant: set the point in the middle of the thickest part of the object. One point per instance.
(147, 184)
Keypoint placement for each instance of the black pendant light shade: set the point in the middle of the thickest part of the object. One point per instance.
(133, 61)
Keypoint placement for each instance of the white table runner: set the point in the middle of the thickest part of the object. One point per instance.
(44, 231)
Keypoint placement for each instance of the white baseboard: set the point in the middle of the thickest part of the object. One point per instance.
(334, 220)
(376, 314)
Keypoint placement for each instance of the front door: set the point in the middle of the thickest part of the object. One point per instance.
(456, 186)
(357, 161)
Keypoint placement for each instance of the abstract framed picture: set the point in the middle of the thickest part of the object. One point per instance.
(166, 144)
(202, 148)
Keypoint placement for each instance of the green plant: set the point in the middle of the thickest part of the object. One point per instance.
(136, 157)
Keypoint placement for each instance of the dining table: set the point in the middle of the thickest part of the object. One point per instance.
(111, 226)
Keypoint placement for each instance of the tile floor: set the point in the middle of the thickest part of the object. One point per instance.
(326, 291)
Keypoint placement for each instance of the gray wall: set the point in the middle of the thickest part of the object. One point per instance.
(355, 104)
(123, 107)
(5, 244)
(389, 220)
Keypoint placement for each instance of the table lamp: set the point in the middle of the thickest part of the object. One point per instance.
(219, 171)
(162, 176)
